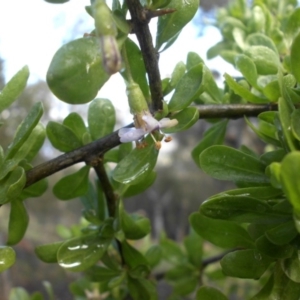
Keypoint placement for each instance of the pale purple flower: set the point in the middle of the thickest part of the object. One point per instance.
(151, 124)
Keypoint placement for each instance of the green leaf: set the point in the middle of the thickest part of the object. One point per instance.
(171, 24)
(285, 112)
(140, 288)
(75, 122)
(11, 186)
(137, 66)
(187, 89)
(259, 192)
(18, 294)
(154, 255)
(265, 292)
(186, 118)
(243, 92)
(102, 274)
(293, 23)
(25, 128)
(184, 281)
(193, 59)
(18, 222)
(80, 253)
(265, 59)
(245, 264)
(172, 251)
(101, 118)
(213, 136)
(273, 156)
(282, 234)
(62, 137)
(32, 145)
(73, 186)
(7, 257)
(133, 258)
(135, 227)
(209, 85)
(136, 166)
(260, 39)
(272, 250)
(35, 190)
(193, 244)
(48, 252)
(221, 233)
(291, 267)
(241, 209)
(13, 88)
(226, 163)
(141, 186)
(295, 122)
(247, 67)
(290, 178)
(209, 293)
(76, 73)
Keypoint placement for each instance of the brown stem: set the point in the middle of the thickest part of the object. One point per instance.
(97, 148)
(140, 19)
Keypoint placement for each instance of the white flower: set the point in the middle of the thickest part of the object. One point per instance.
(150, 124)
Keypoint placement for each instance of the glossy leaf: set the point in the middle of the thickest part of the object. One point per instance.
(18, 222)
(243, 92)
(226, 163)
(101, 118)
(282, 234)
(290, 178)
(241, 209)
(209, 293)
(136, 166)
(72, 186)
(187, 89)
(135, 227)
(48, 252)
(265, 59)
(140, 187)
(259, 192)
(75, 122)
(76, 73)
(245, 264)
(13, 88)
(25, 128)
(213, 136)
(171, 24)
(137, 66)
(32, 145)
(221, 233)
(80, 253)
(7, 257)
(186, 118)
(12, 186)
(62, 137)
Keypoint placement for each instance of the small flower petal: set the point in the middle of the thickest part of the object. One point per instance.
(167, 123)
(152, 124)
(130, 134)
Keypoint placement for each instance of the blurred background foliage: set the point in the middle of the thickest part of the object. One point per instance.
(179, 189)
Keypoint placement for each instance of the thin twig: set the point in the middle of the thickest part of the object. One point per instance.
(140, 20)
(97, 148)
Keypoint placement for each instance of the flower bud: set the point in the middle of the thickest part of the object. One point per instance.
(136, 99)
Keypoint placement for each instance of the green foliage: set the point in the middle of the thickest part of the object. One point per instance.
(257, 223)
